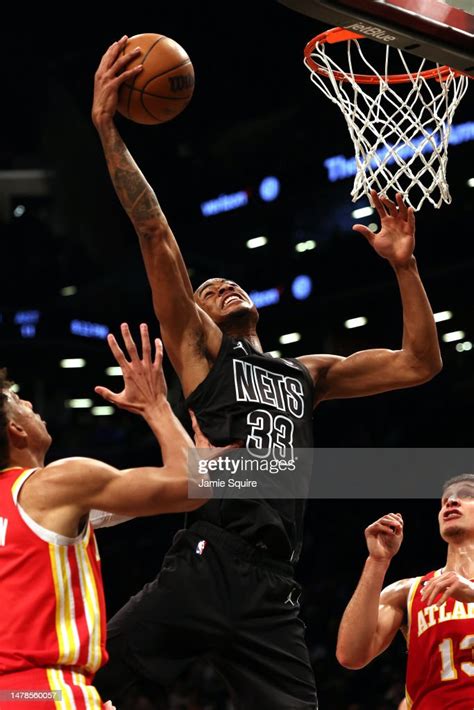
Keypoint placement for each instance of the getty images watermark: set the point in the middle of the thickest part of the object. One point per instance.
(251, 473)
(236, 467)
(326, 473)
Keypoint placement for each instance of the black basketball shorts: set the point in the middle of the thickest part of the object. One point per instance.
(220, 598)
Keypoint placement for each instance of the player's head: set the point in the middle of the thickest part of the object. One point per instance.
(20, 427)
(4, 455)
(226, 303)
(456, 517)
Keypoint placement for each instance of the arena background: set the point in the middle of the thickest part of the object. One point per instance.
(254, 114)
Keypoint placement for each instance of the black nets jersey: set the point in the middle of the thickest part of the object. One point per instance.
(254, 397)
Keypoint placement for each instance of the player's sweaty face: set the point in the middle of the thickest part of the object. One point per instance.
(23, 413)
(457, 506)
(220, 298)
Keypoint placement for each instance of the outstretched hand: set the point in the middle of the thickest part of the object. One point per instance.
(144, 381)
(396, 239)
(110, 75)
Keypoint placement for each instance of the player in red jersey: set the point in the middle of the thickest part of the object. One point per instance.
(435, 611)
(52, 619)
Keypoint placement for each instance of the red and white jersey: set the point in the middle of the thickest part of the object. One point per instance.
(51, 593)
(440, 667)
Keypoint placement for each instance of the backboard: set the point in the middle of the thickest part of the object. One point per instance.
(439, 30)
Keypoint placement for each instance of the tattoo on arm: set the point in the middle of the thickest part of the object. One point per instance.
(135, 194)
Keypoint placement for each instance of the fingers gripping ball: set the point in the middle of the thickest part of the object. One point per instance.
(165, 85)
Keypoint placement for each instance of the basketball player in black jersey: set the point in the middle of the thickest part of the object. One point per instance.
(226, 589)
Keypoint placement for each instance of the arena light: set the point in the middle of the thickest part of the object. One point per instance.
(72, 362)
(269, 188)
(274, 353)
(24, 317)
(102, 411)
(470, 182)
(305, 246)
(289, 338)
(355, 322)
(15, 388)
(442, 315)
(265, 298)
(453, 336)
(464, 347)
(19, 211)
(114, 371)
(373, 226)
(362, 212)
(256, 242)
(68, 291)
(89, 330)
(78, 403)
(224, 203)
(301, 287)
(28, 330)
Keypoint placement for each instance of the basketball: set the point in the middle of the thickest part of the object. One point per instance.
(165, 85)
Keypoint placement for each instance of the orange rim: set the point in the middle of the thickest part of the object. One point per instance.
(339, 34)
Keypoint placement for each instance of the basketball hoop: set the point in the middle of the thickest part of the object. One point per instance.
(399, 122)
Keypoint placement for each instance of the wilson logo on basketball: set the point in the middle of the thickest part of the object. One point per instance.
(179, 82)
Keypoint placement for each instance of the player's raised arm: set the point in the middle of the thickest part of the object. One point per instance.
(419, 359)
(182, 322)
(81, 484)
(373, 617)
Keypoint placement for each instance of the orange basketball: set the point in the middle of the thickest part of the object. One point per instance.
(164, 86)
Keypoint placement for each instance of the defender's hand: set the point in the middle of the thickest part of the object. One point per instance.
(448, 584)
(385, 536)
(144, 381)
(202, 442)
(198, 457)
(111, 73)
(396, 239)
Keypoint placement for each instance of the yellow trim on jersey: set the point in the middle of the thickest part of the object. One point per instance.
(411, 596)
(58, 616)
(408, 699)
(91, 696)
(19, 481)
(70, 621)
(87, 534)
(91, 605)
(10, 468)
(58, 682)
(96, 549)
(66, 628)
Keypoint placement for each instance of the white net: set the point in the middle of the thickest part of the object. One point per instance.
(400, 131)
